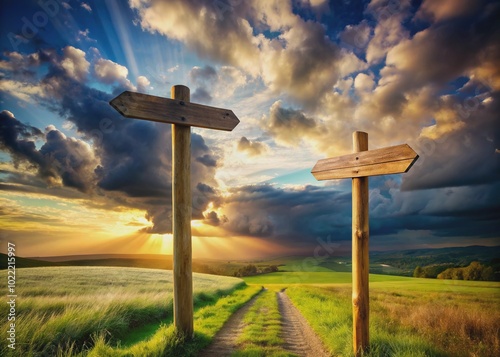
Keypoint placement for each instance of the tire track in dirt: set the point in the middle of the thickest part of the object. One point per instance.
(224, 342)
(300, 339)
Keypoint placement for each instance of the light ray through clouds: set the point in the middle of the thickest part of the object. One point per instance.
(77, 178)
(122, 27)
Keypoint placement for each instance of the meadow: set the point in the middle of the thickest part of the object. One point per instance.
(408, 316)
(68, 310)
(109, 311)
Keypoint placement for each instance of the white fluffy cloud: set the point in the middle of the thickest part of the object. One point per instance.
(110, 72)
(300, 62)
(142, 84)
(285, 67)
(26, 92)
(74, 63)
(389, 30)
(197, 25)
(364, 83)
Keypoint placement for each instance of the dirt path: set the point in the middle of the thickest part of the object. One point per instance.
(300, 339)
(224, 342)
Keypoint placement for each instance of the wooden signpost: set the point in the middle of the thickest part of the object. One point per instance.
(358, 166)
(182, 114)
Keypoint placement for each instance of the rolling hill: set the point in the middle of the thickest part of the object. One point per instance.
(389, 262)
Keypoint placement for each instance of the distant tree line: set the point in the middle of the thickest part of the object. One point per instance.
(474, 271)
(251, 269)
(208, 269)
(431, 271)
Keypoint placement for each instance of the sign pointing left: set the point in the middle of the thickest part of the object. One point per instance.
(166, 110)
(182, 114)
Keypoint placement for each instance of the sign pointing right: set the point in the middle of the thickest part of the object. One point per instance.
(358, 166)
(390, 160)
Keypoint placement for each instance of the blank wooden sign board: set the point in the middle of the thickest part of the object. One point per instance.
(182, 115)
(358, 166)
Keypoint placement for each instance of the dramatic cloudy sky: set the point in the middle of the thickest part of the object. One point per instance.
(301, 75)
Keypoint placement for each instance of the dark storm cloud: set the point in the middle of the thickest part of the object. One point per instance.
(130, 159)
(213, 219)
(161, 218)
(203, 78)
(465, 211)
(136, 155)
(207, 160)
(134, 160)
(464, 156)
(73, 160)
(18, 138)
(285, 215)
(67, 159)
(203, 74)
(201, 95)
(300, 217)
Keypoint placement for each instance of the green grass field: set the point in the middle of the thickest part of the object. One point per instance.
(107, 311)
(323, 277)
(64, 309)
(409, 316)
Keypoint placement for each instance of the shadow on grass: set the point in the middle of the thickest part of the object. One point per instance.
(143, 332)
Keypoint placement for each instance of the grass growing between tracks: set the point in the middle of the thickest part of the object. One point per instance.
(261, 336)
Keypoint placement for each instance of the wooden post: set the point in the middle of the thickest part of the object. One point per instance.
(181, 221)
(182, 114)
(358, 166)
(360, 253)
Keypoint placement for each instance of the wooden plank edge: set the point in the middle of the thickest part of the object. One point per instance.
(354, 172)
(315, 170)
(411, 154)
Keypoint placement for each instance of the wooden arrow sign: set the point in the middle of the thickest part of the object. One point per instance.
(182, 114)
(358, 166)
(390, 160)
(166, 110)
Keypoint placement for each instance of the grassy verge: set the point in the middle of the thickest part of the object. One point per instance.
(406, 322)
(61, 308)
(328, 310)
(165, 342)
(261, 336)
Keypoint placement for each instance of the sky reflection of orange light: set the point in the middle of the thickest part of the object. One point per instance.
(238, 247)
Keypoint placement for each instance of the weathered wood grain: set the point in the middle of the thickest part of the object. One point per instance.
(359, 166)
(174, 111)
(360, 253)
(181, 221)
(390, 160)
